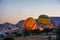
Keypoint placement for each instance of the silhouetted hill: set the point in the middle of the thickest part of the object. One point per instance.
(7, 26)
(1, 25)
(20, 23)
(56, 20)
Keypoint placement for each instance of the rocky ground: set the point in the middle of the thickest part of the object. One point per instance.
(31, 38)
(37, 37)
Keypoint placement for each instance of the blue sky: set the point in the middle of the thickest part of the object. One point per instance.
(14, 10)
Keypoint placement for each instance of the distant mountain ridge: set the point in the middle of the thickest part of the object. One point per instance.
(56, 20)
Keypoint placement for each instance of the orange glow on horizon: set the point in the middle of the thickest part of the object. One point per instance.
(10, 20)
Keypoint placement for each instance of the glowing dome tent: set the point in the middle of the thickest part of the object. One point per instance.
(30, 24)
(43, 20)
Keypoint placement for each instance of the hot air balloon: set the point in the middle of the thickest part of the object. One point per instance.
(51, 25)
(43, 20)
(30, 24)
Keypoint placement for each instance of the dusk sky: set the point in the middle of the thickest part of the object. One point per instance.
(14, 10)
